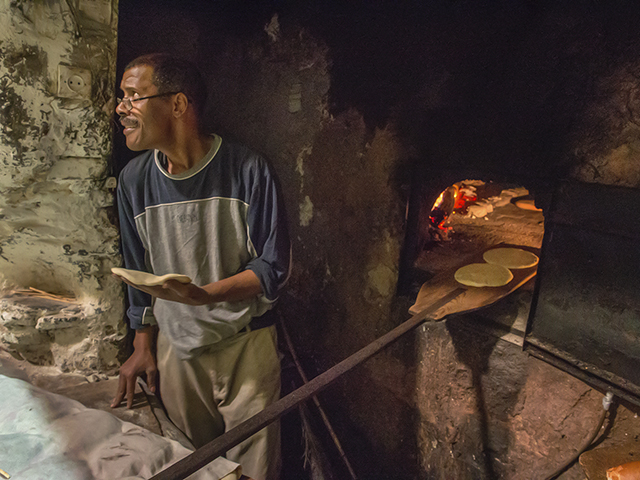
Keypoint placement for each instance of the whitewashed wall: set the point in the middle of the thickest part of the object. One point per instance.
(55, 196)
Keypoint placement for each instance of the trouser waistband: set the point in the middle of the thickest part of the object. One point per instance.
(256, 323)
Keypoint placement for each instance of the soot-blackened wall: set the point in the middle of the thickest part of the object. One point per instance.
(351, 104)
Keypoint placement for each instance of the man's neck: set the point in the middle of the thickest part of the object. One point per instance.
(184, 155)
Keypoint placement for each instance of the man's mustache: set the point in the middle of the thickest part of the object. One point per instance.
(127, 122)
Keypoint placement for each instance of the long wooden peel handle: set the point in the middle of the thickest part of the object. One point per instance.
(219, 446)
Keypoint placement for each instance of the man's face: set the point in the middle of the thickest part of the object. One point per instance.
(147, 124)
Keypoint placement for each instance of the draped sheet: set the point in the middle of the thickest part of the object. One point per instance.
(45, 436)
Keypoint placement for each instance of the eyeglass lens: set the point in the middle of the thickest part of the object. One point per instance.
(125, 102)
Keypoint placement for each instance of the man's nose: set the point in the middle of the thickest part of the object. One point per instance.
(121, 110)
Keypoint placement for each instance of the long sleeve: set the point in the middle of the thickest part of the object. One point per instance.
(268, 232)
(134, 254)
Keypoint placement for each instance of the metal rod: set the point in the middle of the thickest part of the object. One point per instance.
(590, 379)
(219, 446)
(323, 415)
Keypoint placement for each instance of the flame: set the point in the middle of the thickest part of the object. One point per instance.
(461, 200)
(451, 199)
(463, 197)
(444, 206)
(454, 198)
(439, 201)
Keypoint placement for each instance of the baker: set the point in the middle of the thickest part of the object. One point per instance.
(197, 205)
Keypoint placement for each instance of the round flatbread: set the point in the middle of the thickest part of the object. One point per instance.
(483, 275)
(148, 279)
(511, 257)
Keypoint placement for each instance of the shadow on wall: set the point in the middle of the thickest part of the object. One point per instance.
(475, 352)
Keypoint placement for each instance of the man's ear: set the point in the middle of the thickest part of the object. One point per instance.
(180, 104)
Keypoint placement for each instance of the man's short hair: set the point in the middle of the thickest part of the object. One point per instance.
(174, 74)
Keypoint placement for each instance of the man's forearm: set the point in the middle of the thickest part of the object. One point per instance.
(145, 338)
(241, 286)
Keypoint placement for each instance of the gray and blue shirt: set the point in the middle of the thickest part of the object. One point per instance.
(221, 217)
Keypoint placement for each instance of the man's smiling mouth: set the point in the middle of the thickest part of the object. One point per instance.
(129, 123)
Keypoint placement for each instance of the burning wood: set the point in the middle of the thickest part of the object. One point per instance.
(455, 197)
(443, 207)
(464, 198)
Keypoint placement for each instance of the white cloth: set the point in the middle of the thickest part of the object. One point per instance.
(49, 436)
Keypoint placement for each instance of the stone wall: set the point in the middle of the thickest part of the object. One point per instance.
(349, 102)
(57, 72)
(446, 402)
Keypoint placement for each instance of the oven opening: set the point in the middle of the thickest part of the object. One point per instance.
(449, 222)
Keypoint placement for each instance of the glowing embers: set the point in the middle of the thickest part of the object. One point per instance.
(452, 198)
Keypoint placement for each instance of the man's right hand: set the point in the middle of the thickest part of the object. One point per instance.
(142, 360)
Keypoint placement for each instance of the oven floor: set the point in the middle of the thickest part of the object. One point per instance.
(506, 224)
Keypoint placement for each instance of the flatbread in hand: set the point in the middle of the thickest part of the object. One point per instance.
(483, 275)
(148, 279)
(510, 257)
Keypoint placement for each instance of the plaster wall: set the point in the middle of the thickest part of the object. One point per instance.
(56, 229)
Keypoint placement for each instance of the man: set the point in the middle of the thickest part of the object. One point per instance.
(197, 205)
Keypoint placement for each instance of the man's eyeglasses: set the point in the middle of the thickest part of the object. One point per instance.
(128, 102)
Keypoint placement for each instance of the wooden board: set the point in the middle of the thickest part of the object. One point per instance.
(472, 298)
(596, 462)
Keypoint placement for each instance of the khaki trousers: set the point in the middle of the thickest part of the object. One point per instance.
(222, 387)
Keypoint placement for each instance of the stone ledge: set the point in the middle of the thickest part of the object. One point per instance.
(48, 329)
(27, 315)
